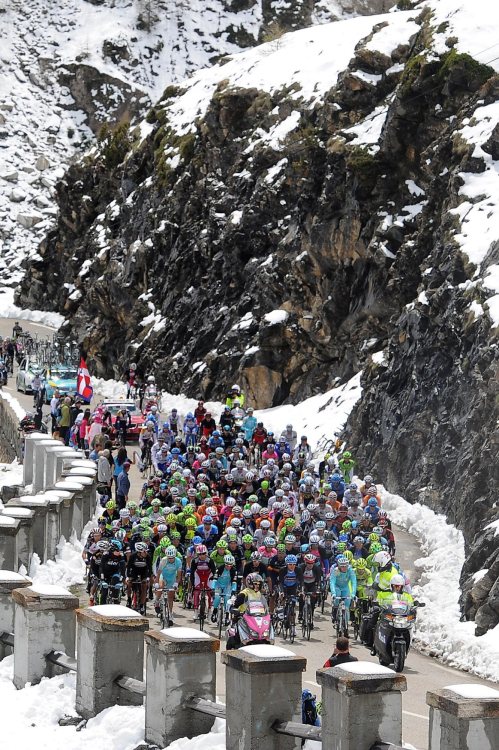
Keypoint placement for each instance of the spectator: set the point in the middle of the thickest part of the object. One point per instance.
(341, 653)
(123, 485)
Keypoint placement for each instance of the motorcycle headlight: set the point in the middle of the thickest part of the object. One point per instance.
(401, 622)
(254, 634)
(266, 633)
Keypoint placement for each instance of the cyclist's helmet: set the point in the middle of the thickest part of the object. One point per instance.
(269, 541)
(247, 539)
(256, 555)
(291, 560)
(116, 545)
(141, 547)
(341, 561)
(310, 559)
(253, 580)
(171, 551)
(229, 560)
(201, 549)
(103, 545)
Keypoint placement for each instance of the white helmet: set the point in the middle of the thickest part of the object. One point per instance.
(133, 366)
(235, 388)
(397, 580)
(151, 379)
(382, 559)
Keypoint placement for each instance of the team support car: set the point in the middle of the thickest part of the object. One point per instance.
(28, 368)
(137, 420)
(61, 378)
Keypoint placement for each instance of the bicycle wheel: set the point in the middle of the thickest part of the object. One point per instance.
(292, 622)
(344, 624)
(309, 622)
(202, 610)
(356, 622)
(304, 619)
(220, 616)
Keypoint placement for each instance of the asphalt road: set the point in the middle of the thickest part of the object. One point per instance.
(423, 672)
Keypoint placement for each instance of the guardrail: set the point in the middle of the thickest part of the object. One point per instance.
(362, 701)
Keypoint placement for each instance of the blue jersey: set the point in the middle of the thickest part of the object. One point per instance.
(169, 572)
(248, 426)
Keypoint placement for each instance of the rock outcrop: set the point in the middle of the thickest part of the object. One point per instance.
(287, 238)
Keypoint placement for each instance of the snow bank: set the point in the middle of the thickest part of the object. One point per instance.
(30, 719)
(10, 474)
(19, 411)
(439, 629)
(317, 417)
(10, 310)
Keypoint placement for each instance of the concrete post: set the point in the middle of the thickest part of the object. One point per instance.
(361, 704)
(24, 533)
(38, 503)
(63, 460)
(262, 684)
(29, 448)
(8, 542)
(54, 513)
(88, 494)
(464, 717)
(84, 463)
(39, 461)
(66, 510)
(52, 454)
(9, 580)
(180, 663)
(77, 506)
(110, 645)
(44, 621)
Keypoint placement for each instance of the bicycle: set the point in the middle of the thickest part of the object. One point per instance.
(323, 592)
(278, 612)
(256, 455)
(203, 608)
(307, 617)
(221, 614)
(136, 596)
(289, 622)
(147, 462)
(361, 608)
(339, 617)
(166, 610)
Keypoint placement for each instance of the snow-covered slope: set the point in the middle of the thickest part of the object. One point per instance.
(63, 61)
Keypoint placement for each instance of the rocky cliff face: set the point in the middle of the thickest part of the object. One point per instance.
(287, 228)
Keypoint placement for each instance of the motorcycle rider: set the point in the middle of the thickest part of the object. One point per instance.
(252, 593)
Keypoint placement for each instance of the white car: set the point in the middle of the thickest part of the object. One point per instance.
(28, 368)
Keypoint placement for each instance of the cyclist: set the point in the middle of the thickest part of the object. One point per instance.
(346, 464)
(310, 577)
(169, 577)
(342, 583)
(122, 422)
(95, 556)
(248, 425)
(139, 571)
(112, 570)
(201, 574)
(224, 582)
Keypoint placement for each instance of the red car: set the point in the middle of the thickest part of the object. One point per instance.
(113, 407)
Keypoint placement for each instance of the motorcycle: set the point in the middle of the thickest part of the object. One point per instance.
(238, 415)
(392, 637)
(255, 626)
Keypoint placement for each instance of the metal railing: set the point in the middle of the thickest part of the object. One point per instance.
(62, 660)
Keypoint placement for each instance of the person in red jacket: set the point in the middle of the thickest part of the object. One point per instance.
(199, 412)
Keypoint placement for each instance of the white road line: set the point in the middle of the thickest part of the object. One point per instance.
(418, 716)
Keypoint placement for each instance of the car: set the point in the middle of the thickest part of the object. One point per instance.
(114, 406)
(28, 368)
(60, 378)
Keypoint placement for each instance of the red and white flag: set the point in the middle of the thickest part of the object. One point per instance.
(83, 382)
